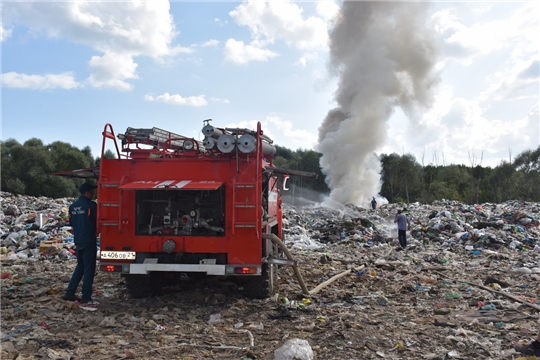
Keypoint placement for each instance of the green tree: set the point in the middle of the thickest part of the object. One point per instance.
(458, 179)
(32, 165)
(390, 176)
(401, 176)
(284, 153)
(28, 168)
(302, 160)
(430, 173)
(411, 176)
(8, 181)
(528, 163)
(502, 182)
(67, 157)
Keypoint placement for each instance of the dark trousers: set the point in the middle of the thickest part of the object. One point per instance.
(85, 270)
(402, 235)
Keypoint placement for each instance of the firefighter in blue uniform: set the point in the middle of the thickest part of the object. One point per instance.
(83, 220)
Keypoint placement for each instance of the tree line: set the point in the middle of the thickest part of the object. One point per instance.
(28, 169)
(405, 180)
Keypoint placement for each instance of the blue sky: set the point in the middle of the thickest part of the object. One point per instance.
(68, 68)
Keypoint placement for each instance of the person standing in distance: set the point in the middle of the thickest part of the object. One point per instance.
(373, 203)
(403, 225)
(83, 220)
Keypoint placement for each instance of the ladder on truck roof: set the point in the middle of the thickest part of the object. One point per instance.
(154, 136)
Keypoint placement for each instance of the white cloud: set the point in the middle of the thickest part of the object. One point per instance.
(212, 43)
(298, 137)
(455, 126)
(39, 82)
(223, 101)
(110, 70)
(4, 34)
(516, 83)
(280, 131)
(532, 124)
(283, 21)
(240, 53)
(271, 21)
(126, 29)
(327, 9)
(133, 27)
(176, 99)
(463, 42)
(220, 22)
(499, 55)
(305, 58)
(508, 46)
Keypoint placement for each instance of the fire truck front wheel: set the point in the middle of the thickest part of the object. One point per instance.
(142, 286)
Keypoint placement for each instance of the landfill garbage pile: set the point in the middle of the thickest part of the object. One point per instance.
(466, 287)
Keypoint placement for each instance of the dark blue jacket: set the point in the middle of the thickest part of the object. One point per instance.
(83, 220)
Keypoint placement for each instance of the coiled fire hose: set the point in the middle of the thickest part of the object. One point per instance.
(305, 290)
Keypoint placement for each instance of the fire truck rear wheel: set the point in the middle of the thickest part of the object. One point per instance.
(142, 286)
(263, 286)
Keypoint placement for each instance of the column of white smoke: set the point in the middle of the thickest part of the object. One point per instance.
(385, 57)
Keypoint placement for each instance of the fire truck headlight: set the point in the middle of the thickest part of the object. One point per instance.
(169, 246)
(188, 144)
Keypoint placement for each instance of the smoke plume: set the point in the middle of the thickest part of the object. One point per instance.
(384, 56)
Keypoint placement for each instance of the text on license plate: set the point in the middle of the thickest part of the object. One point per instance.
(118, 255)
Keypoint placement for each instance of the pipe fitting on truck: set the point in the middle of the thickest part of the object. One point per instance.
(204, 224)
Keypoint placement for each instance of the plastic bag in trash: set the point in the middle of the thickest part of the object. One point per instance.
(214, 319)
(294, 349)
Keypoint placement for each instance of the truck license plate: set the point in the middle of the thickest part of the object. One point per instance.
(118, 255)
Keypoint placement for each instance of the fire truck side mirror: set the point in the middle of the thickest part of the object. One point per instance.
(285, 183)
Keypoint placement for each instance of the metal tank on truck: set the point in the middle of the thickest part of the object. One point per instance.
(171, 205)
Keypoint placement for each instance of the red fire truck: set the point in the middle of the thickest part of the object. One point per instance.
(170, 205)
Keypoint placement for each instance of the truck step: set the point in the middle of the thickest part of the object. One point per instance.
(108, 223)
(111, 204)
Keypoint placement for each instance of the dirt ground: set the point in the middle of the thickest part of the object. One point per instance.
(438, 299)
(401, 306)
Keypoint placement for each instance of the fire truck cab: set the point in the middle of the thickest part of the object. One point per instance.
(170, 205)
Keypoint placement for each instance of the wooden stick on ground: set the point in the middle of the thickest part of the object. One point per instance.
(305, 290)
(332, 279)
(534, 306)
